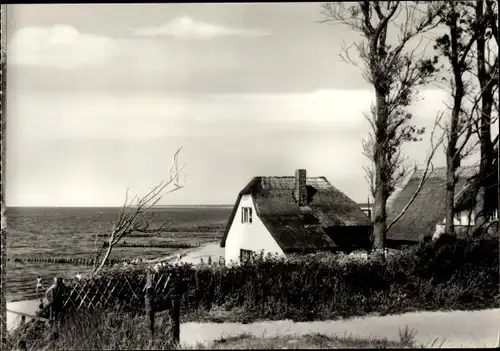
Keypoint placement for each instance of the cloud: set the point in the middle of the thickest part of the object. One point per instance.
(59, 46)
(187, 28)
(144, 116)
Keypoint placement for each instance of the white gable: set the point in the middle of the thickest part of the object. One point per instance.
(248, 236)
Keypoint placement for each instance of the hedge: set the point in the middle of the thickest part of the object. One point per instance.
(447, 274)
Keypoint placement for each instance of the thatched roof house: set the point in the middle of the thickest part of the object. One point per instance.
(428, 208)
(294, 214)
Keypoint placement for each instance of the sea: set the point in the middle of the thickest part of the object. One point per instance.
(55, 232)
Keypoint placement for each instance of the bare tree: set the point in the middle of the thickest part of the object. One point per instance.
(138, 218)
(395, 74)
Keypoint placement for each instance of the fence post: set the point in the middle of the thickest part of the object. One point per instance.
(54, 310)
(149, 302)
(175, 313)
(55, 334)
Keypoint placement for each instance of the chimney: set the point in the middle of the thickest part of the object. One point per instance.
(300, 187)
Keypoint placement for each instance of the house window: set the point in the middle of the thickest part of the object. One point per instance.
(246, 215)
(245, 255)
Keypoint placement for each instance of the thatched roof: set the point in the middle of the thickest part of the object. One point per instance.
(300, 228)
(428, 208)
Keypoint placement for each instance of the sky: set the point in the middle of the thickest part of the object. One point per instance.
(99, 97)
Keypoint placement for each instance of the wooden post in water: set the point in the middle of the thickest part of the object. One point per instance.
(149, 302)
(175, 313)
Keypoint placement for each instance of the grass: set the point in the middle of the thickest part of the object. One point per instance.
(308, 341)
(95, 331)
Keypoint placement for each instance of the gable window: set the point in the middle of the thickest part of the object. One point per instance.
(246, 215)
(245, 255)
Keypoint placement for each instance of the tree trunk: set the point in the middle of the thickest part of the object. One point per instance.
(379, 213)
(453, 156)
(486, 188)
(485, 169)
(105, 258)
(450, 196)
(379, 206)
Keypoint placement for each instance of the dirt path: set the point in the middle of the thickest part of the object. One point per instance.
(456, 328)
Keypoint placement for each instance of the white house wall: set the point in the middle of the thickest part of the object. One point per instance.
(249, 236)
(460, 219)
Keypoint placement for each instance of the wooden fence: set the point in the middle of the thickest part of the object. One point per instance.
(136, 294)
(126, 290)
(107, 292)
(145, 292)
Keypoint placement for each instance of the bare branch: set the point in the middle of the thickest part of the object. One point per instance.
(138, 218)
(428, 166)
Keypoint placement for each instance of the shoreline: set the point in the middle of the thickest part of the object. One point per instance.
(24, 306)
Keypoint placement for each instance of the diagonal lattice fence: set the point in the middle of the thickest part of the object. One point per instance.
(126, 290)
(134, 292)
(106, 293)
